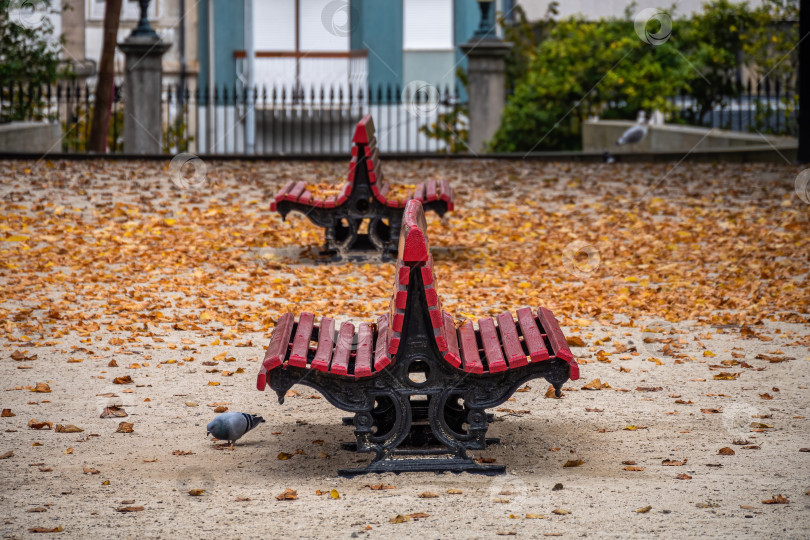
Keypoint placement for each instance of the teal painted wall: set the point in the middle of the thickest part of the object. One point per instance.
(229, 36)
(467, 16)
(377, 27)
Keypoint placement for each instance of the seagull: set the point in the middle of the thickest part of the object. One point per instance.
(232, 426)
(635, 134)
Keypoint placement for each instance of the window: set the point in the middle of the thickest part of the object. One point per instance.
(323, 25)
(427, 25)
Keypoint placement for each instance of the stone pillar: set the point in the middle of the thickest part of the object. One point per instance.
(486, 86)
(143, 73)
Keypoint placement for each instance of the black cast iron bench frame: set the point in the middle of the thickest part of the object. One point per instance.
(363, 196)
(418, 385)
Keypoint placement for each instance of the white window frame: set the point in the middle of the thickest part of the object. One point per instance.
(449, 47)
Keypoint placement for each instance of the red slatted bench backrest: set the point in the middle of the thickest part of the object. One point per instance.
(414, 252)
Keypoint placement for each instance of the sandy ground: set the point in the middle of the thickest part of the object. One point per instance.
(675, 409)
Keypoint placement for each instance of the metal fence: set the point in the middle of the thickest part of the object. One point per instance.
(285, 120)
(260, 121)
(767, 105)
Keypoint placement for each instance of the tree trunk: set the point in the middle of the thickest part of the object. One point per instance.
(106, 71)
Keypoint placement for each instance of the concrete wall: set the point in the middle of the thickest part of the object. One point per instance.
(602, 135)
(30, 137)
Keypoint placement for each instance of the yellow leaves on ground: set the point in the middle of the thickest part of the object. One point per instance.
(573, 463)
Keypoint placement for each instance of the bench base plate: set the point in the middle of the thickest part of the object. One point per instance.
(437, 465)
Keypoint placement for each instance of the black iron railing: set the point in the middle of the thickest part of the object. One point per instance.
(284, 119)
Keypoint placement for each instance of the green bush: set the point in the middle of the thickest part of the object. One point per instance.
(562, 70)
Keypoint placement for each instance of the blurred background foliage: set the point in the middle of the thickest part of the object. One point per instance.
(560, 71)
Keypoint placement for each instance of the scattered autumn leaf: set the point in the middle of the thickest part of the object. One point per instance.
(41, 388)
(67, 428)
(287, 495)
(127, 509)
(125, 427)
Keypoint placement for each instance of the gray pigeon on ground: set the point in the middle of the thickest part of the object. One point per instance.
(232, 426)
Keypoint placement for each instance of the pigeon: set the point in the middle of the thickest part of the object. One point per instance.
(636, 133)
(232, 426)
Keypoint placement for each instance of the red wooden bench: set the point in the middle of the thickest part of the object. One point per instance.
(365, 195)
(414, 378)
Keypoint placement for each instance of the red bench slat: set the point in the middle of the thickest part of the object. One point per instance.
(326, 336)
(555, 336)
(381, 358)
(430, 191)
(447, 191)
(470, 357)
(296, 191)
(452, 355)
(343, 349)
(364, 131)
(511, 343)
(362, 361)
(277, 350)
(492, 347)
(413, 244)
(305, 197)
(261, 380)
(300, 347)
(419, 192)
(531, 335)
(329, 202)
(344, 193)
(286, 189)
(371, 146)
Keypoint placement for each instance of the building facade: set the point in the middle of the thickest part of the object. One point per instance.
(333, 43)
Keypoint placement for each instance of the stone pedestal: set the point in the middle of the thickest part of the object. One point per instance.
(486, 61)
(142, 88)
